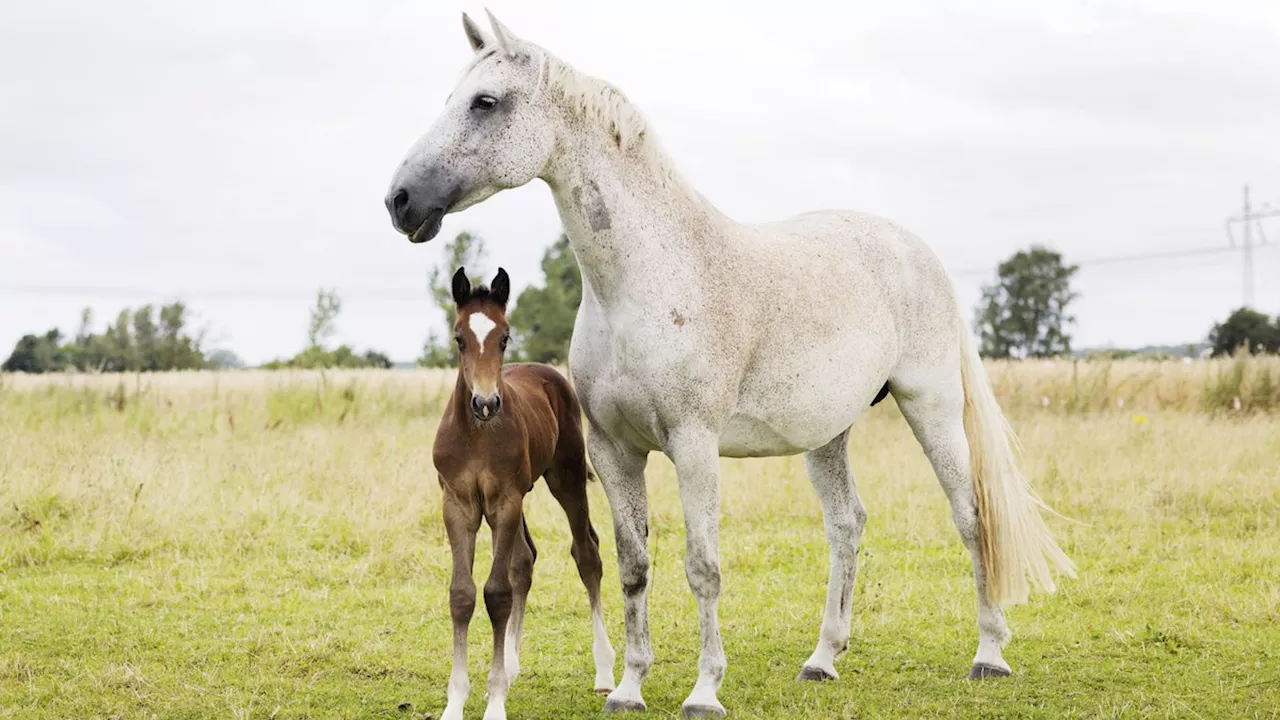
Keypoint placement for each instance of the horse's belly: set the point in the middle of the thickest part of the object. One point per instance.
(803, 403)
(744, 436)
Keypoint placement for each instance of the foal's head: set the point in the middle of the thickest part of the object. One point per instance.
(482, 334)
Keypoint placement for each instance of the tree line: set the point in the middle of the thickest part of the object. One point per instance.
(1024, 313)
(138, 341)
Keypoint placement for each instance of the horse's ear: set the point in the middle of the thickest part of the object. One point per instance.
(505, 38)
(501, 287)
(461, 287)
(477, 37)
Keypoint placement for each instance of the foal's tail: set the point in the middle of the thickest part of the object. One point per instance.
(1014, 539)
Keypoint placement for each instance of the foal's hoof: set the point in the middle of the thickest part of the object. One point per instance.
(815, 674)
(702, 711)
(982, 671)
(615, 706)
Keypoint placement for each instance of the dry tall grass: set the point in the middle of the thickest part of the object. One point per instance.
(254, 544)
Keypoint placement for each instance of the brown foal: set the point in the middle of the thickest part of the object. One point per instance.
(503, 428)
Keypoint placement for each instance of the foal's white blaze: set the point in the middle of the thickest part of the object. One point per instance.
(481, 326)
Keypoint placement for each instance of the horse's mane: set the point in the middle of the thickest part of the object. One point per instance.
(601, 104)
(597, 102)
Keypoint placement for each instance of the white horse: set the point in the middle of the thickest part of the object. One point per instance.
(703, 337)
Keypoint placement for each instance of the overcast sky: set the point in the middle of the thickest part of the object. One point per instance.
(235, 153)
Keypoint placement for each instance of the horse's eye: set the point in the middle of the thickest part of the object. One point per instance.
(483, 102)
(458, 339)
(503, 343)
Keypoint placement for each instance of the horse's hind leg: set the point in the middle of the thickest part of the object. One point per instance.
(568, 484)
(933, 405)
(523, 556)
(844, 518)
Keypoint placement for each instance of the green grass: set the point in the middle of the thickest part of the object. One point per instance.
(252, 546)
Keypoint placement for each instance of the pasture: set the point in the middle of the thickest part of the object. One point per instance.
(269, 545)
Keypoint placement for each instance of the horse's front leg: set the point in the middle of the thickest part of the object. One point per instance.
(461, 521)
(505, 518)
(696, 455)
(621, 471)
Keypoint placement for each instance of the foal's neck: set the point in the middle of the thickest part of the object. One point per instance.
(627, 213)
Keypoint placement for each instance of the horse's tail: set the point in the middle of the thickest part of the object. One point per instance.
(1014, 540)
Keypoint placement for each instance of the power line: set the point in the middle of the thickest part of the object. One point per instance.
(1116, 259)
(245, 294)
(401, 295)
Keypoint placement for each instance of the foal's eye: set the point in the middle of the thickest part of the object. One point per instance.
(483, 102)
(458, 339)
(503, 342)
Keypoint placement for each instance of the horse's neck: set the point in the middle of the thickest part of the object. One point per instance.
(630, 219)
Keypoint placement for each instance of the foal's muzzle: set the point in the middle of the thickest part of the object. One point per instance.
(485, 408)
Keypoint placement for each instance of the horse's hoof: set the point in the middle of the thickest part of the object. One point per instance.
(615, 706)
(603, 691)
(982, 671)
(814, 674)
(702, 711)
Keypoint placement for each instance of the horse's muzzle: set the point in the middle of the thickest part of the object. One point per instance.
(417, 205)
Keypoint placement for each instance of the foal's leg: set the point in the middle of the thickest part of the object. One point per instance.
(844, 518)
(461, 521)
(523, 556)
(936, 415)
(506, 520)
(621, 471)
(696, 455)
(568, 485)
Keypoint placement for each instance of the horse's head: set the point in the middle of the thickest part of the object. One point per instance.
(482, 334)
(496, 132)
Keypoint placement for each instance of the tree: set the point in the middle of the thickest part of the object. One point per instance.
(146, 338)
(177, 350)
(465, 250)
(223, 359)
(1245, 328)
(321, 325)
(323, 316)
(542, 320)
(37, 354)
(1024, 313)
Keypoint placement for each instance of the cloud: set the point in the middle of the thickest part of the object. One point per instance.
(245, 146)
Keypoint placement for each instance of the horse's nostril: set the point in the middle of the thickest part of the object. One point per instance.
(399, 200)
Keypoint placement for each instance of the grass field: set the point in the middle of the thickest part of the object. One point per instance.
(254, 545)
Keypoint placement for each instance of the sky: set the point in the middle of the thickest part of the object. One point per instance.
(235, 154)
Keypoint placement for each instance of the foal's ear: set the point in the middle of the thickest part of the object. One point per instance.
(501, 288)
(461, 287)
(477, 37)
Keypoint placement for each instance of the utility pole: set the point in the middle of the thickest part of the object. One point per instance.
(1250, 219)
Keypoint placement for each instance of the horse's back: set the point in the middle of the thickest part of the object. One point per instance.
(875, 261)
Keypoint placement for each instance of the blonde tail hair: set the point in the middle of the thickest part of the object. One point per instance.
(1014, 540)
